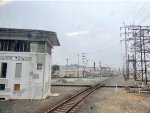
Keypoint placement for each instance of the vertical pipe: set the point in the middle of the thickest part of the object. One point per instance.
(134, 67)
(126, 53)
(134, 57)
(128, 67)
(141, 48)
(145, 70)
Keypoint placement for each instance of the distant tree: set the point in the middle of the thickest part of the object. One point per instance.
(55, 68)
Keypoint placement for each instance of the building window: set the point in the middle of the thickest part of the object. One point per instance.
(15, 45)
(18, 70)
(16, 87)
(2, 98)
(2, 87)
(3, 70)
(39, 66)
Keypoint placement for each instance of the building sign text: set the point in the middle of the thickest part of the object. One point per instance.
(16, 58)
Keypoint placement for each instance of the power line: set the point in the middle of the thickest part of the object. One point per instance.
(99, 51)
(139, 11)
(145, 18)
(102, 50)
(84, 57)
(142, 14)
(132, 11)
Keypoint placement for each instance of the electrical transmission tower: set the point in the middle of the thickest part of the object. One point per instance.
(137, 52)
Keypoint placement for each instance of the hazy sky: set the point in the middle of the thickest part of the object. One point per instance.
(92, 27)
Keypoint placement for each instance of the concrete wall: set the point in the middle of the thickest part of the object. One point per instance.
(34, 84)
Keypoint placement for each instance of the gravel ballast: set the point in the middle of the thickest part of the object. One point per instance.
(38, 106)
(112, 100)
(104, 100)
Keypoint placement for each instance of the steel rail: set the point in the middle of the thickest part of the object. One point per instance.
(68, 105)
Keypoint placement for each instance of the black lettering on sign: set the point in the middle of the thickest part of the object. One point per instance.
(16, 58)
(5, 58)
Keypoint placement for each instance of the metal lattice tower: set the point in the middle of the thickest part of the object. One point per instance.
(137, 52)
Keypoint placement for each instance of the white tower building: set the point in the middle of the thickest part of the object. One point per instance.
(25, 63)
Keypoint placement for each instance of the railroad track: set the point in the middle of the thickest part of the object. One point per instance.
(61, 85)
(70, 105)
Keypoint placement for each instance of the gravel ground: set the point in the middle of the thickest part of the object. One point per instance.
(107, 100)
(36, 106)
(77, 81)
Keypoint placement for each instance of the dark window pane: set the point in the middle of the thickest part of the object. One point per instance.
(39, 66)
(2, 87)
(3, 70)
